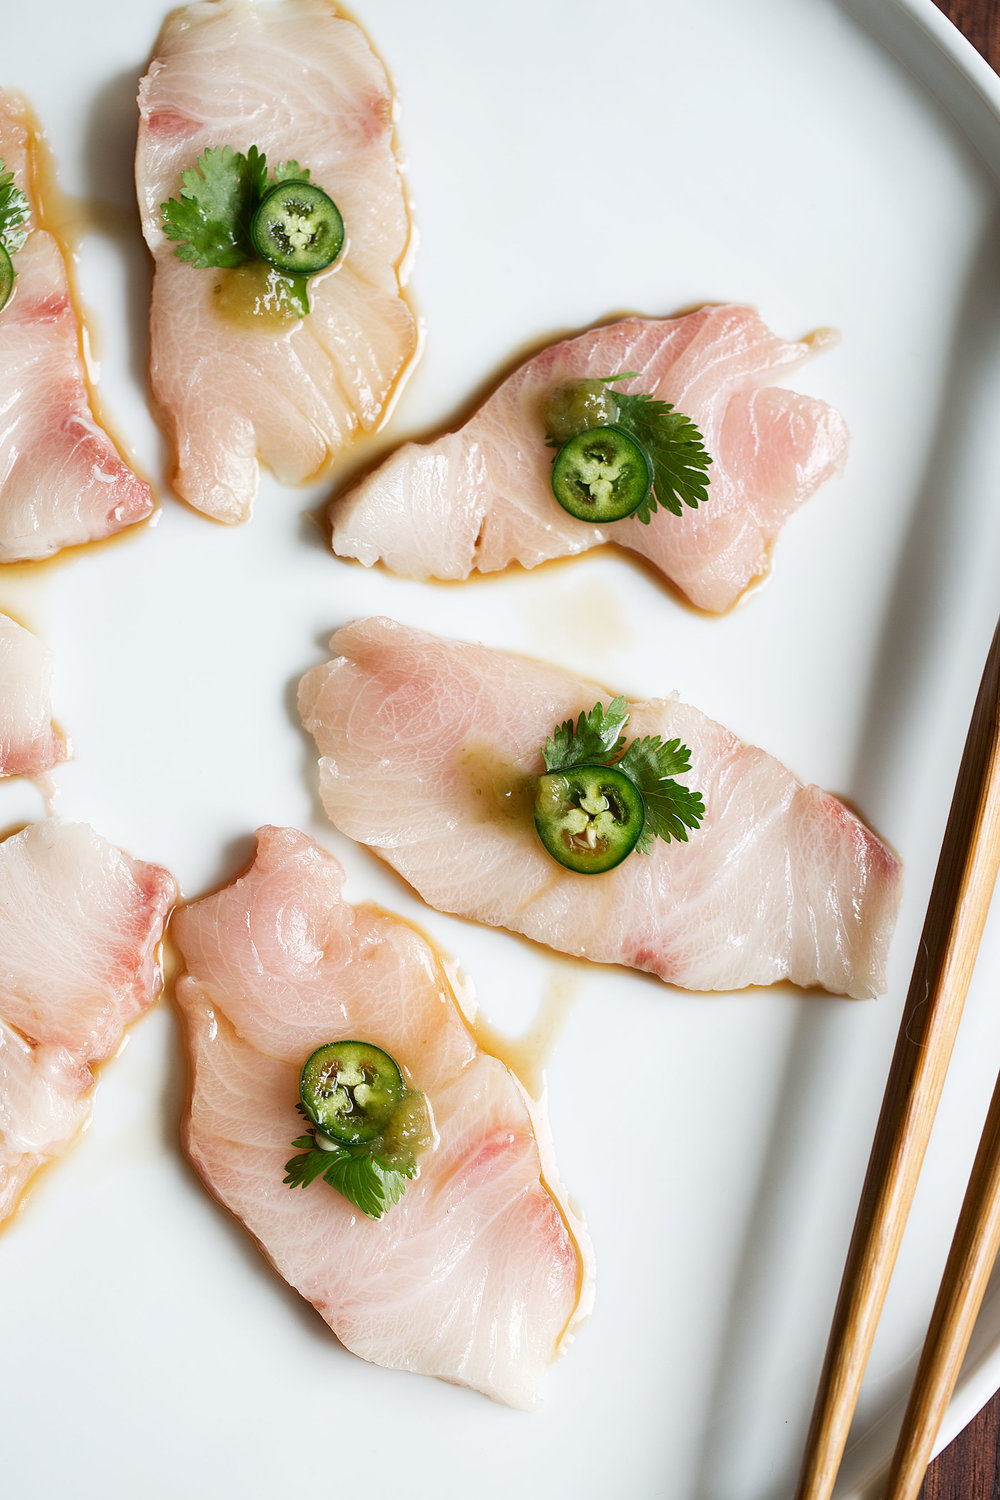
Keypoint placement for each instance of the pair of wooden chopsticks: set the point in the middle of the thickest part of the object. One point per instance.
(956, 914)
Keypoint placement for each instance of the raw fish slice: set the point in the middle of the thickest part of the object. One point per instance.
(475, 1274)
(29, 741)
(62, 481)
(301, 84)
(427, 752)
(479, 499)
(79, 927)
(44, 1102)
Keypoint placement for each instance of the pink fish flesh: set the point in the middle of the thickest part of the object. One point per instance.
(62, 480)
(29, 741)
(302, 84)
(80, 923)
(428, 752)
(479, 499)
(475, 1275)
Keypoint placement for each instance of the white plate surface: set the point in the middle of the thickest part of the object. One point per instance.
(834, 165)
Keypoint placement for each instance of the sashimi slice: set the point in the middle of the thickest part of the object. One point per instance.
(80, 924)
(44, 1103)
(428, 749)
(29, 741)
(62, 480)
(475, 1275)
(302, 84)
(479, 499)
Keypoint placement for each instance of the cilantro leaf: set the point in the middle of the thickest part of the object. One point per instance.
(676, 448)
(595, 739)
(653, 756)
(671, 809)
(15, 212)
(211, 219)
(300, 1171)
(290, 171)
(370, 1179)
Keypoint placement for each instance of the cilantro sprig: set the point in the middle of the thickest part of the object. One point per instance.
(651, 764)
(595, 738)
(367, 1177)
(675, 446)
(677, 450)
(671, 809)
(366, 1126)
(211, 219)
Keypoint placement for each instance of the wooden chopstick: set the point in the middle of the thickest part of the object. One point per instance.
(963, 1286)
(956, 914)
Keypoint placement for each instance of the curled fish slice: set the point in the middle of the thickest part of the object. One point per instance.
(62, 480)
(475, 1275)
(479, 499)
(80, 925)
(428, 749)
(302, 84)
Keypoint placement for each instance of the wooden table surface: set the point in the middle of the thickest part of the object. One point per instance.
(969, 1469)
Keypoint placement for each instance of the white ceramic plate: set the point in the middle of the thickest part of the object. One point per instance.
(833, 164)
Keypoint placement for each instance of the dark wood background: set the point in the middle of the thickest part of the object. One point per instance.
(980, 21)
(970, 1468)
